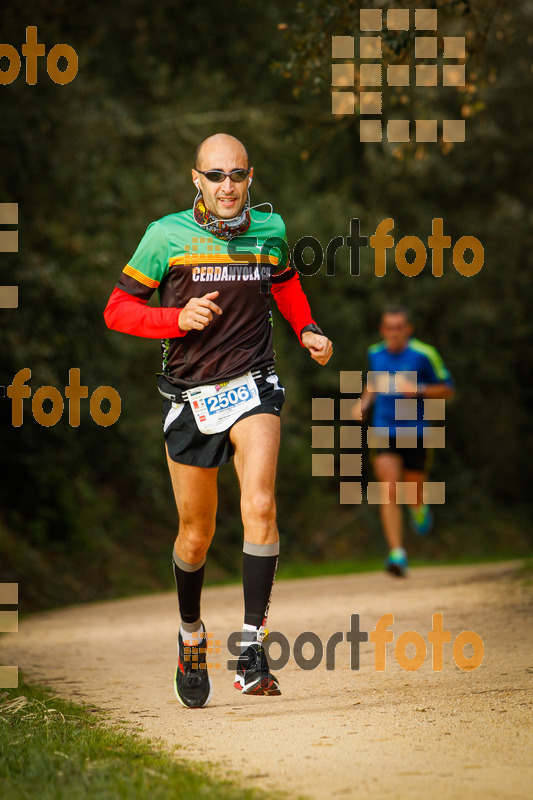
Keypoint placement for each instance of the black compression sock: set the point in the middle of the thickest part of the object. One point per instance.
(259, 564)
(189, 582)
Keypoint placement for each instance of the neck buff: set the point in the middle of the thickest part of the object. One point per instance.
(222, 228)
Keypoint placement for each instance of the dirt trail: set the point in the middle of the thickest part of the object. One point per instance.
(340, 733)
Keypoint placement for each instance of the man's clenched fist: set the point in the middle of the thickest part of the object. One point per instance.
(320, 347)
(198, 313)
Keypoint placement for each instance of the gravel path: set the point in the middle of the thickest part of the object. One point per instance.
(332, 733)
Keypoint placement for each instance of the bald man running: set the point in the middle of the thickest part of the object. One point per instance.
(215, 267)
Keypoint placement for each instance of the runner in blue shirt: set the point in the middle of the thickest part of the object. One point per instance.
(405, 459)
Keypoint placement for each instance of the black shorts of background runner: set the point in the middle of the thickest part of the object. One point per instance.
(417, 459)
(187, 445)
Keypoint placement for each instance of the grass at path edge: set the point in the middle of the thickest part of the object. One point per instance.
(53, 749)
(348, 566)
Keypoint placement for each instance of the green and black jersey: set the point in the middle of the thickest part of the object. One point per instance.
(181, 261)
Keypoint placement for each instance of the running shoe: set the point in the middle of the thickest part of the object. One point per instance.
(396, 563)
(421, 519)
(253, 674)
(192, 683)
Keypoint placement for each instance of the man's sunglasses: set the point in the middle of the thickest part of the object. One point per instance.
(217, 176)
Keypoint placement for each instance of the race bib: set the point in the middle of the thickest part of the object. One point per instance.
(217, 407)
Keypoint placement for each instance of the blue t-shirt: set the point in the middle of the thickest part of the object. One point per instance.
(416, 357)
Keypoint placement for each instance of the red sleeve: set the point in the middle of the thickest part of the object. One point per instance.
(130, 314)
(291, 300)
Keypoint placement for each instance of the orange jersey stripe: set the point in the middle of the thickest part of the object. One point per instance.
(144, 279)
(217, 258)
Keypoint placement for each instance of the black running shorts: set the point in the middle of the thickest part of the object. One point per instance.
(187, 445)
(417, 459)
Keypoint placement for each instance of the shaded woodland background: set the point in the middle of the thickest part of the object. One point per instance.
(88, 512)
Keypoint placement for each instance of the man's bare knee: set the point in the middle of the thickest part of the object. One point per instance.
(258, 508)
(193, 540)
